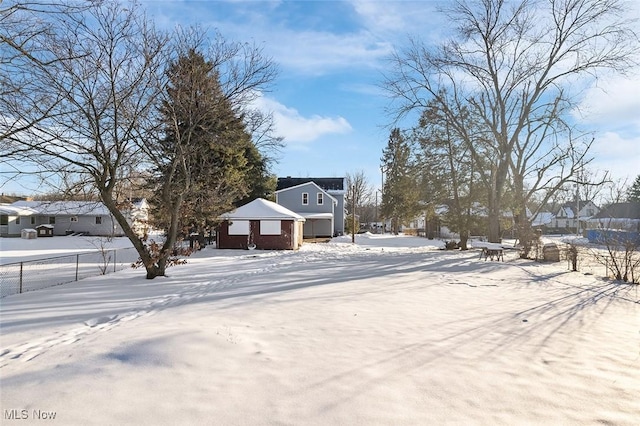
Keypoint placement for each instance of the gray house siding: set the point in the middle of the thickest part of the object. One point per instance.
(90, 218)
(87, 224)
(320, 217)
(339, 211)
(289, 194)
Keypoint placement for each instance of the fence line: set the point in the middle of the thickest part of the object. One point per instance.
(20, 277)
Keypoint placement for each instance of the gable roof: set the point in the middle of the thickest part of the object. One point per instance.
(10, 209)
(620, 211)
(262, 209)
(312, 183)
(328, 184)
(94, 208)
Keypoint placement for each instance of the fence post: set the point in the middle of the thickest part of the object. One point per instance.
(77, 262)
(21, 263)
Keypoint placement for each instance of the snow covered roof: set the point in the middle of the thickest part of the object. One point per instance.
(542, 218)
(318, 215)
(262, 209)
(64, 207)
(13, 210)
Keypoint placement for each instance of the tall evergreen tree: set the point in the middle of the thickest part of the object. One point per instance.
(400, 197)
(633, 196)
(448, 172)
(202, 161)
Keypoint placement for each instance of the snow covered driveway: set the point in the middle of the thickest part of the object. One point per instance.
(383, 332)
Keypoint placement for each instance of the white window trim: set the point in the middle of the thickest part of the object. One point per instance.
(320, 198)
(305, 195)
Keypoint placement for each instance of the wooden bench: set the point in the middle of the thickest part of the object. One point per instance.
(492, 252)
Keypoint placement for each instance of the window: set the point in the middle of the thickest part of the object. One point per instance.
(239, 227)
(33, 220)
(270, 227)
(320, 198)
(305, 198)
(74, 218)
(52, 220)
(98, 220)
(4, 219)
(18, 220)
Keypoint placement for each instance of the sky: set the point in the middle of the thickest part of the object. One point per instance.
(387, 331)
(327, 100)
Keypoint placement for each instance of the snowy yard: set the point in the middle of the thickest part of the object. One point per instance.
(388, 331)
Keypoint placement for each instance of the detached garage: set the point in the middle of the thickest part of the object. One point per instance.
(260, 224)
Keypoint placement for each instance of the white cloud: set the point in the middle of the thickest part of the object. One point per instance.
(297, 129)
(316, 53)
(612, 104)
(619, 155)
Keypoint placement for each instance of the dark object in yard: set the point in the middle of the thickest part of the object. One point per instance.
(451, 245)
(492, 252)
(551, 252)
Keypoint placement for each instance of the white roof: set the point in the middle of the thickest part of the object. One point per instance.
(542, 218)
(13, 210)
(317, 215)
(95, 208)
(262, 209)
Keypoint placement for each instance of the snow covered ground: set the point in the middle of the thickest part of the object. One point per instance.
(390, 330)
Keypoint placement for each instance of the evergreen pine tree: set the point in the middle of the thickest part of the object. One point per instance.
(400, 198)
(206, 160)
(633, 195)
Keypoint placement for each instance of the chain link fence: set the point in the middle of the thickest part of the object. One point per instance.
(32, 275)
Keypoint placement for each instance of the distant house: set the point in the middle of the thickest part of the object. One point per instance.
(69, 217)
(574, 215)
(260, 224)
(319, 200)
(13, 219)
(618, 218)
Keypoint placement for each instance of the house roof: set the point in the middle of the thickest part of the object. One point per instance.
(542, 218)
(328, 184)
(12, 210)
(93, 208)
(262, 209)
(620, 211)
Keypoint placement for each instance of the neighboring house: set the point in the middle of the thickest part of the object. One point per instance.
(622, 219)
(68, 217)
(260, 224)
(13, 219)
(319, 200)
(574, 215)
(622, 216)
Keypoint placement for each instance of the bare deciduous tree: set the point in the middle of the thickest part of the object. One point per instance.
(359, 192)
(510, 68)
(101, 68)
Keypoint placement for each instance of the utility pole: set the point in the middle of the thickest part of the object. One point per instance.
(376, 215)
(353, 213)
